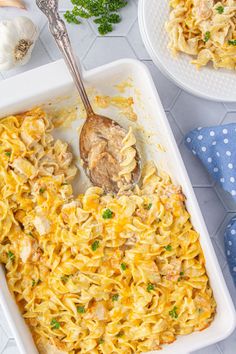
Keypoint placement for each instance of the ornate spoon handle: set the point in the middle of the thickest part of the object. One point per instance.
(60, 34)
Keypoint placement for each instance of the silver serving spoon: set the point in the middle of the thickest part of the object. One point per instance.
(100, 136)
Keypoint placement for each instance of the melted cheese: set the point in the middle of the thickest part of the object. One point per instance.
(101, 273)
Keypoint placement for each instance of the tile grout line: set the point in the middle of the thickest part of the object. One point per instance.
(221, 121)
(46, 50)
(6, 345)
(173, 103)
(92, 29)
(222, 254)
(219, 348)
(88, 49)
(125, 38)
(222, 201)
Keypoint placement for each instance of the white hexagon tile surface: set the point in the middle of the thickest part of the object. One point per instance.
(184, 112)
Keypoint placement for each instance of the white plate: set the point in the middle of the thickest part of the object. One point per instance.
(50, 82)
(217, 85)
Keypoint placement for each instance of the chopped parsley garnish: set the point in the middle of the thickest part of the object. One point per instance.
(34, 282)
(120, 334)
(42, 190)
(107, 214)
(8, 153)
(123, 266)
(71, 18)
(148, 206)
(232, 42)
(101, 341)
(220, 9)
(115, 297)
(80, 309)
(55, 324)
(11, 256)
(65, 278)
(95, 245)
(200, 310)
(181, 275)
(64, 184)
(173, 312)
(150, 287)
(207, 36)
(104, 12)
(168, 248)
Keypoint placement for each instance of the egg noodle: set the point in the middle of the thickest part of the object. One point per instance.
(97, 273)
(205, 29)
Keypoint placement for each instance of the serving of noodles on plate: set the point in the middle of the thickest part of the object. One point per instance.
(95, 273)
(204, 29)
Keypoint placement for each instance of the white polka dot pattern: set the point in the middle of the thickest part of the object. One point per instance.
(209, 83)
(230, 246)
(218, 154)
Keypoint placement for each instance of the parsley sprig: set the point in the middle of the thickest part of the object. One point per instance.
(123, 266)
(55, 324)
(220, 9)
(95, 245)
(11, 256)
(80, 309)
(150, 287)
(232, 42)
(148, 206)
(173, 312)
(105, 13)
(115, 297)
(107, 214)
(207, 36)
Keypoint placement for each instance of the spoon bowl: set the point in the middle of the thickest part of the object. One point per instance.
(100, 141)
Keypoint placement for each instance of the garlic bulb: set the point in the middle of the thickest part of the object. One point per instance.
(17, 39)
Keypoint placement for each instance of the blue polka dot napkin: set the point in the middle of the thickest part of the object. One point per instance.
(216, 148)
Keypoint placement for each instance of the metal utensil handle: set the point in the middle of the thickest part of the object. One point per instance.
(58, 29)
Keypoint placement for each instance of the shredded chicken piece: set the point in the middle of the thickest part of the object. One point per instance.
(24, 167)
(42, 225)
(203, 8)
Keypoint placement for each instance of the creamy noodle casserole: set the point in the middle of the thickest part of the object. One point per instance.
(96, 273)
(204, 29)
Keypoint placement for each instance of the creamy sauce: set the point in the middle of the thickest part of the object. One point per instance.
(124, 104)
(64, 116)
(124, 85)
(103, 144)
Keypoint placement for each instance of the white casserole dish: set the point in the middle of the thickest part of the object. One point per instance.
(48, 83)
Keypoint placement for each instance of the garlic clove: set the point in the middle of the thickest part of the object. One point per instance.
(6, 62)
(7, 31)
(27, 35)
(18, 38)
(12, 3)
(26, 28)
